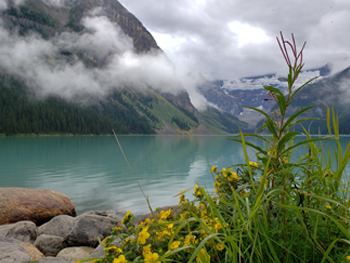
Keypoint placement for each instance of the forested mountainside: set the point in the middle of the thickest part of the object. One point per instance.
(71, 77)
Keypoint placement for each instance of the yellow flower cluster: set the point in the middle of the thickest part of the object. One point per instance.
(164, 235)
(225, 179)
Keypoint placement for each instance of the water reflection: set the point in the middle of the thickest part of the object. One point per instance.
(93, 173)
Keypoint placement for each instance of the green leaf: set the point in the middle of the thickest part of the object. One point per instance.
(280, 98)
(286, 125)
(262, 127)
(250, 145)
(255, 135)
(305, 142)
(271, 127)
(255, 109)
(306, 119)
(274, 90)
(298, 89)
(282, 104)
(285, 139)
(329, 121)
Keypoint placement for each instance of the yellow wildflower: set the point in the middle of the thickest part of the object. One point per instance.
(182, 197)
(150, 257)
(348, 258)
(226, 172)
(165, 233)
(254, 164)
(105, 241)
(244, 193)
(146, 250)
(125, 218)
(120, 259)
(189, 240)
(217, 184)
(232, 176)
(118, 250)
(129, 240)
(164, 214)
(216, 191)
(329, 207)
(213, 169)
(218, 226)
(143, 236)
(220, 247)
(175, 245)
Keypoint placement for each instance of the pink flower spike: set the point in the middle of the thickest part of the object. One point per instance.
(292, 48)
(295, 46)
(282, 51)
(285, 48)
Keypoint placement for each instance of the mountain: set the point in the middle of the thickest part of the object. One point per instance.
(87, 67)
(333, 91)
(331, 88)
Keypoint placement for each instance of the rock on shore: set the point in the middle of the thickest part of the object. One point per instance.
(62, 238)
(38, 206)
(42, 225)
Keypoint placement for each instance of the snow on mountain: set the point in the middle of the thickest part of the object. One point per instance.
(275, 80)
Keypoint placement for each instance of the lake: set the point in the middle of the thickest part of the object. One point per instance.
(93, 173)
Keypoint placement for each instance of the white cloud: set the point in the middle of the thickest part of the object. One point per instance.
(39, 63)
(3, 5)
(247, 34)
(220, 53)
(19, 2)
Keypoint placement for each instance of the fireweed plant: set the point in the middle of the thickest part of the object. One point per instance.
(272, 210)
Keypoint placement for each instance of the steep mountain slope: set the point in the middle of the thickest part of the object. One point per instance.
(89, 61)
(231, 96)
(333, 91)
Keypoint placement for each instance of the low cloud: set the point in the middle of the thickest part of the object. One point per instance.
(18, 2)
(41, 65)
(3, 5)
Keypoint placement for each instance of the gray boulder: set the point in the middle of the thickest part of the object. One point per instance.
(90, 227)
(58, 226)
(108, 213)
(52, 260)
(25, 231)
(12, 252)
(74, 254)
(49, 245)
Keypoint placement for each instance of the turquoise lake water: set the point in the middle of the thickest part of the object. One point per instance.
(92, 172)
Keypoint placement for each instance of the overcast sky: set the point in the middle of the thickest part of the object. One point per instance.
(229, 39)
